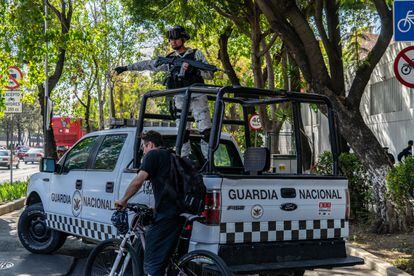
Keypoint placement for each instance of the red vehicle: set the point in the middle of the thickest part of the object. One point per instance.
(66, 131)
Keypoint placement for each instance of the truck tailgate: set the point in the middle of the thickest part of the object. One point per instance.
(283, 209)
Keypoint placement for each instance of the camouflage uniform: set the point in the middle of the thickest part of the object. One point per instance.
(198, 105)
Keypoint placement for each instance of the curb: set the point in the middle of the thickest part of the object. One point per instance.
(374, 262)
(12, 206)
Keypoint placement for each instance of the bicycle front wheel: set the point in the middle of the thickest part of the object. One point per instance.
(202, 262)
(103, 257)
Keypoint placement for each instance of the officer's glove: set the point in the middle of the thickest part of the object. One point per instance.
(120, 69)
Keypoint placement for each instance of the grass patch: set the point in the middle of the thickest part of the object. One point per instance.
(405, 264)
(9, 192)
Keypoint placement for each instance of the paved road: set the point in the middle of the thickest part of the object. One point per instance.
(24, 171)
(59, 263)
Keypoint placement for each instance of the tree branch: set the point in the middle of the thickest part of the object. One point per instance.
(267, 45)
(335, 50)
(289, 36)
(225, 59)
(363, 72)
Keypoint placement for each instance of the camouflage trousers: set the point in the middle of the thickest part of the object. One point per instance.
(201, 112)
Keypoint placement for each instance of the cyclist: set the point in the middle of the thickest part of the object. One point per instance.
(177, 36)
(161, 236)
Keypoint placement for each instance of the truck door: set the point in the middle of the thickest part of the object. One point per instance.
(100, 184)
(65, 192)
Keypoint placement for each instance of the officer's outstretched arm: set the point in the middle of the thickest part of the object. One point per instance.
(149, 65)
(133, 187)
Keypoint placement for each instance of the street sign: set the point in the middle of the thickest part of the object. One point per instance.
(13, 101)
(404, 20)
(255, 122)
(404, 66)
(15, 76)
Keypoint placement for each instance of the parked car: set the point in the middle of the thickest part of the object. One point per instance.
(5, 159)
(21, 150)
(33, 155)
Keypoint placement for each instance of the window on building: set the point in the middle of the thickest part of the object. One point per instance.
(386, 97)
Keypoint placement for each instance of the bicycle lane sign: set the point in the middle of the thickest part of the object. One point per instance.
(404, 20)
(404, 66)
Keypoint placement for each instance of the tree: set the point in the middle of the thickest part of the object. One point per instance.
(286, 17)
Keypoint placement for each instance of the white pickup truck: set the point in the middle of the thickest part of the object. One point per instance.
(257, 220)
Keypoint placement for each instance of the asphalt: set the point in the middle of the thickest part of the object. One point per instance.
(70, 259)
(23, 262)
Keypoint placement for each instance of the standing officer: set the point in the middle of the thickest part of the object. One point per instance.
(177, 36)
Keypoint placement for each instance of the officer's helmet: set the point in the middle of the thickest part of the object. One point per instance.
(177, 32)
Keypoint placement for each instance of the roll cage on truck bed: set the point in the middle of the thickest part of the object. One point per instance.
(287, 238)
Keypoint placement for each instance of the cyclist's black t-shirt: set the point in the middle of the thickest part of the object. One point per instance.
(157, 163)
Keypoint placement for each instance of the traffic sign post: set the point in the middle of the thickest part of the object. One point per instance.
(13, 101)
(255, 124)
(13, 105)
(404, 20)
(404, 67)
(15, 76)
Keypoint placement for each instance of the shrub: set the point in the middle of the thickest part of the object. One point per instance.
(9, 192)
(358, 182)
(400, 181)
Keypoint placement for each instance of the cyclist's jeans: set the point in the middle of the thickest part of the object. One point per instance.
(160, 239)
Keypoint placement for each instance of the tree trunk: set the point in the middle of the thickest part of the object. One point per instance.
(48, 137)
(228, 68)
(87, 113)
(101, 122)
(374, 159)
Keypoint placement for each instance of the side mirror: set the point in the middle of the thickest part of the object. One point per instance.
(48, 165)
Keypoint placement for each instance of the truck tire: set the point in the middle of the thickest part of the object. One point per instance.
(35, 235)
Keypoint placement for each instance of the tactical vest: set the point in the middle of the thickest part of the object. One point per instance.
(192, 75)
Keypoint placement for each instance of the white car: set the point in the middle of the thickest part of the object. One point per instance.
(33, 155)
(5, 159)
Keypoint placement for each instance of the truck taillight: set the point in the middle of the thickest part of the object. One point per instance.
(212, 210)
(39, 155)
(347, 205)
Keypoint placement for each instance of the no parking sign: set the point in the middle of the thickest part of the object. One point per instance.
(404, 66)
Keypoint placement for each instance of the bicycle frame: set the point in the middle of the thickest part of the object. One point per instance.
(136, 231)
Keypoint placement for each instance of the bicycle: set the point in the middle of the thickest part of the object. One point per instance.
(406, 68)
(404, 24)
(115, 257)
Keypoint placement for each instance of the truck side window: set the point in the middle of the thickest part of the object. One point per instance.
(77, 157)
(109, 151)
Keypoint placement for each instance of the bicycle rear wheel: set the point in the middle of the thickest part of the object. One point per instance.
(202, 262)
(102, 259)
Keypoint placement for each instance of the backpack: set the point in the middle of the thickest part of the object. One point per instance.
(188, 184)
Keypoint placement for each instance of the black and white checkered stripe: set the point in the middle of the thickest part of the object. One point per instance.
(80, 227)
(259, 231)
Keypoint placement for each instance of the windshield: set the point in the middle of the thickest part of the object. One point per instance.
(4, 153)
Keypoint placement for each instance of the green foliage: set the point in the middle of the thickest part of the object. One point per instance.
(358, 181)
(9, 192)
(405, 264)
(400, 181)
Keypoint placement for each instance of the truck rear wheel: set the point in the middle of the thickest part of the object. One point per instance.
(35, 235)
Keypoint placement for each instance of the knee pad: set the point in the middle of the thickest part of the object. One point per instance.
(206, 134)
